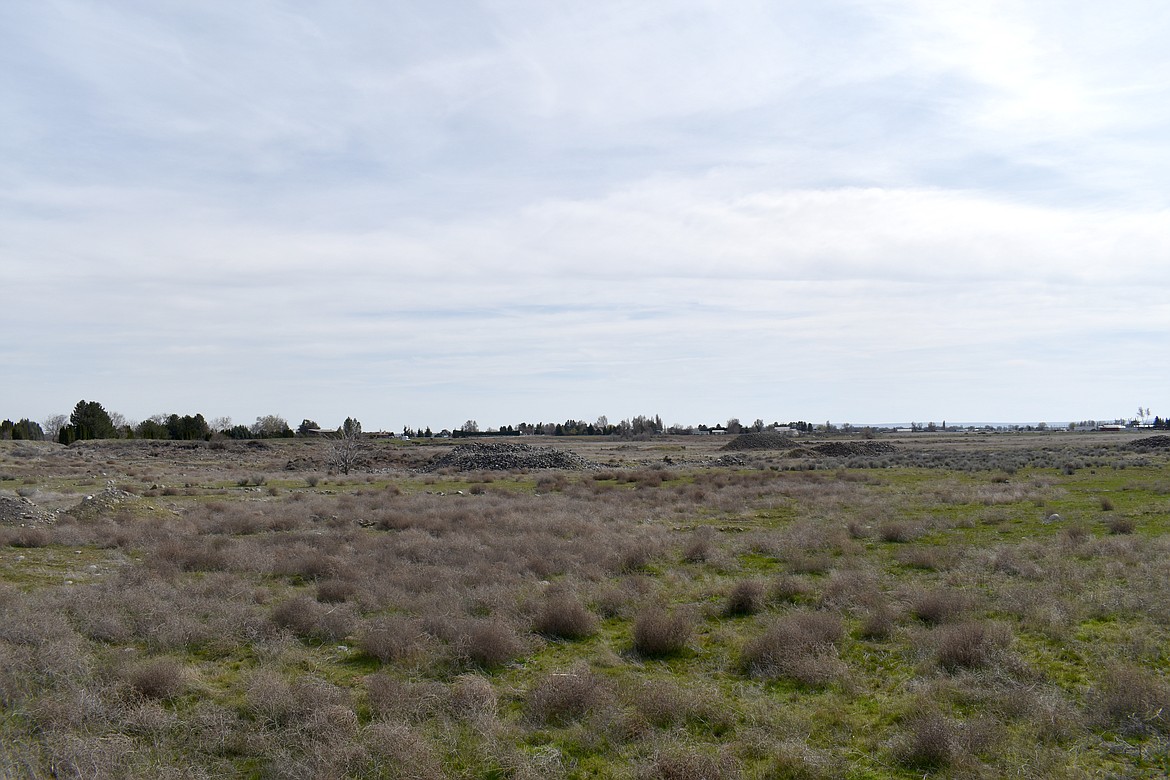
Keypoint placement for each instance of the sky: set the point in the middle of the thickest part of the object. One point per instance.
(417, 214)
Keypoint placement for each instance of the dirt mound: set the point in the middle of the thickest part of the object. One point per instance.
(18, 511)
(1151, 443)
(845, 449)
(758, 441)
(499, 456)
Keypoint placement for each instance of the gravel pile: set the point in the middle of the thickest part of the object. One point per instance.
(499, 456)
(17, 511)
(1151, 443)
(758, 441)
(845, 449)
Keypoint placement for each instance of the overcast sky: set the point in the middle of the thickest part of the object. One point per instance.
(521, 210)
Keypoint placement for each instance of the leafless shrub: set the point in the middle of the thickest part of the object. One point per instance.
(335, 591)
(930, 742)
(397, 750)
(393, 639)
(801, 646)
(1075, 533)
(160, 678)
(791, 589)
(941, 605)
(659, 633)
(403, 700)
(26, 537)
(194, 554)
(560, 698)
(1132, 700)
(691, 764)
(699, 546)
(634, 558)
(278, 702)
(665, 704)
(488, 643)
(1106, 504)
(473, 697)
(898, 531)
(878, 623)
(74, 756)
(928, 558)
(564, 617)
(310, 619)
(746, 598)
(1120, 524)
(970, 645)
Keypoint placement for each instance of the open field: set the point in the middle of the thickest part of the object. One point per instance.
(951, 605)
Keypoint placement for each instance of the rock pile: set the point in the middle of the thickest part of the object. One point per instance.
(845, 449)
(831, 449)
(501, 456)
(758, 441)
(1151, 443)
(17, 511)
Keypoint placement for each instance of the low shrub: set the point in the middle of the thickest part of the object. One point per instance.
(1119, 524)
(746, 598)
(159, 678)
(801, 646)
(969, 645)
(690, 764)
(564, 617)
(488, 644)
(930, 742)
(939, 606)
(1131, 700)
(560, 698)
(658, 633)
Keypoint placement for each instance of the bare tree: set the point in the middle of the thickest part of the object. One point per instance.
(53, 425)
(348, 445)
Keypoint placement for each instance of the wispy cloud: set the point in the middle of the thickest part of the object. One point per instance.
(883, 210)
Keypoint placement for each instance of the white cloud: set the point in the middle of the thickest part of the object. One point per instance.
(848, 208)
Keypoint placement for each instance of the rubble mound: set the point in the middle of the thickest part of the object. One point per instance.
(1151, 443)
(758, 441)
(499, 456)
(100, 503)
(845, 449)
(17, 511)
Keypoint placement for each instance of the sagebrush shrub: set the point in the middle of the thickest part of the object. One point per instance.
(746, 598)
(690, 764)
(564, 617)
(660, 633)
(159, 678)
(1132, 700)
(562, 697)
(489, 643)
(939, 606)
(801, 646)
(930, 742)
(969, 645)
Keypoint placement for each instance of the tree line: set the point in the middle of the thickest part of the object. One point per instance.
(90, 420)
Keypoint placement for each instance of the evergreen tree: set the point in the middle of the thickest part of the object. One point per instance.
(91, 421)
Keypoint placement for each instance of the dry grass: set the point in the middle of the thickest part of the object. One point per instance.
(680, 621)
